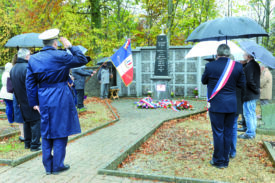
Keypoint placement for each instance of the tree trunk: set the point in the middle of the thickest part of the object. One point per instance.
(119, 35)
(95, 14)
(169, 21)
(267, 18)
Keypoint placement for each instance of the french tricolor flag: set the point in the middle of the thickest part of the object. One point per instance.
(123, 61)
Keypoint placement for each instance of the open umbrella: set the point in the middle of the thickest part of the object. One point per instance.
(226, 28)
(208, 48)
(28, 40)
(259, 53)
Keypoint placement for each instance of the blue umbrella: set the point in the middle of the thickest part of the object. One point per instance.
(259, 53)
(105, 59)
(226, 28)
(28, 40)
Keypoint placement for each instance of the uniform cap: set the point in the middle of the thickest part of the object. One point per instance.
(49, 34)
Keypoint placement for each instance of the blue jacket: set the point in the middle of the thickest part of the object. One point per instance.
(46, 84)
(225, 101)
(79, 75)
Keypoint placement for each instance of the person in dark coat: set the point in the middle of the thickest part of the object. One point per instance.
(30, 116)
(48, 92)
(223, 106)
(252, 94)
(242, 123)
(79, 75)
(233, 147)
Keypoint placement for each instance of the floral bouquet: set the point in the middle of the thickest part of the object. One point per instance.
(172, 94)
(149, 93)
(183, 105)
(196, 92)
(147, 103)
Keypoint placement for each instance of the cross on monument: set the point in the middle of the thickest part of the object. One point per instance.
(162, 27)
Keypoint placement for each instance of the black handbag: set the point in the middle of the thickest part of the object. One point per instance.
(9, 86)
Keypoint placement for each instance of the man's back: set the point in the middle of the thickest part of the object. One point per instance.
(18, 77)
(252, 73)
(46, 82)
(225, 100)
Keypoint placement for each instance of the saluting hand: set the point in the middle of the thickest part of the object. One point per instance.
(66, 43)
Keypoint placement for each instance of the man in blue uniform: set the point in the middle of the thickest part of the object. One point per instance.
(49, 93)
(223, 105)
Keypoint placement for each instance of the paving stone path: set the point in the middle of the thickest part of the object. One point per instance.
(87, 154)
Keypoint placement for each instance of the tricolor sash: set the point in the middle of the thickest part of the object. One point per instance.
(223, 79)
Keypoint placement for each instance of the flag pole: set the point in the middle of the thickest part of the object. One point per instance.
(96, 71)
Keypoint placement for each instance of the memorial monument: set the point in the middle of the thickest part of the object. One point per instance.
(161, 89)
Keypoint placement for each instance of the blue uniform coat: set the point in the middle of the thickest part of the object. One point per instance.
(46, 84)
(225, 101)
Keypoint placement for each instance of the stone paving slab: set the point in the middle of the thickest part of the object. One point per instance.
(90, 153)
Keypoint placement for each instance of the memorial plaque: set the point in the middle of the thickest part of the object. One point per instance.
(161, 66)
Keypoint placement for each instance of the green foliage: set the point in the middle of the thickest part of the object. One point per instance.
(8, 29)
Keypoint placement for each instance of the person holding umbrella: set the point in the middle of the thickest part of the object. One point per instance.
(222, 77)
(252, 94)
(31, 117)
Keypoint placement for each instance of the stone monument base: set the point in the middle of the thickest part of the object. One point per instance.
(161, 89)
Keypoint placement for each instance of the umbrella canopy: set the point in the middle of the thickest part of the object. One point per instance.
(208, 48)
(105, 59)
(209, 58)
(226, 28)
(28, 40)
(259, 53)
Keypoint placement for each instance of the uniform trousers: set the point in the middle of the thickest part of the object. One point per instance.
(222, 128)
(53, 153)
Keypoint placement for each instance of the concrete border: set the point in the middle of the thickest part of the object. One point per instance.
(9, 134)
(20, 160)
(270, 151)
(111, 167)
(263, 131)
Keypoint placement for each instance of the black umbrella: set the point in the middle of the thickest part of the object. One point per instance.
(226, 28)
(28, 40)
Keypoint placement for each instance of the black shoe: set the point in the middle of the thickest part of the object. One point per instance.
(36, 149)
(217, 166)
(245, 136)
(242, 129)
(65, 168)
(27, 147)
(21, 139)
(232, 156)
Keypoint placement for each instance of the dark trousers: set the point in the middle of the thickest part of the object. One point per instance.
(32, 134)
(222, 128)
(54, 162)
(80, 98)
(9, 110)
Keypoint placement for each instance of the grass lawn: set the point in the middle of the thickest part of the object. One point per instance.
(97, 114)
(184, 148)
